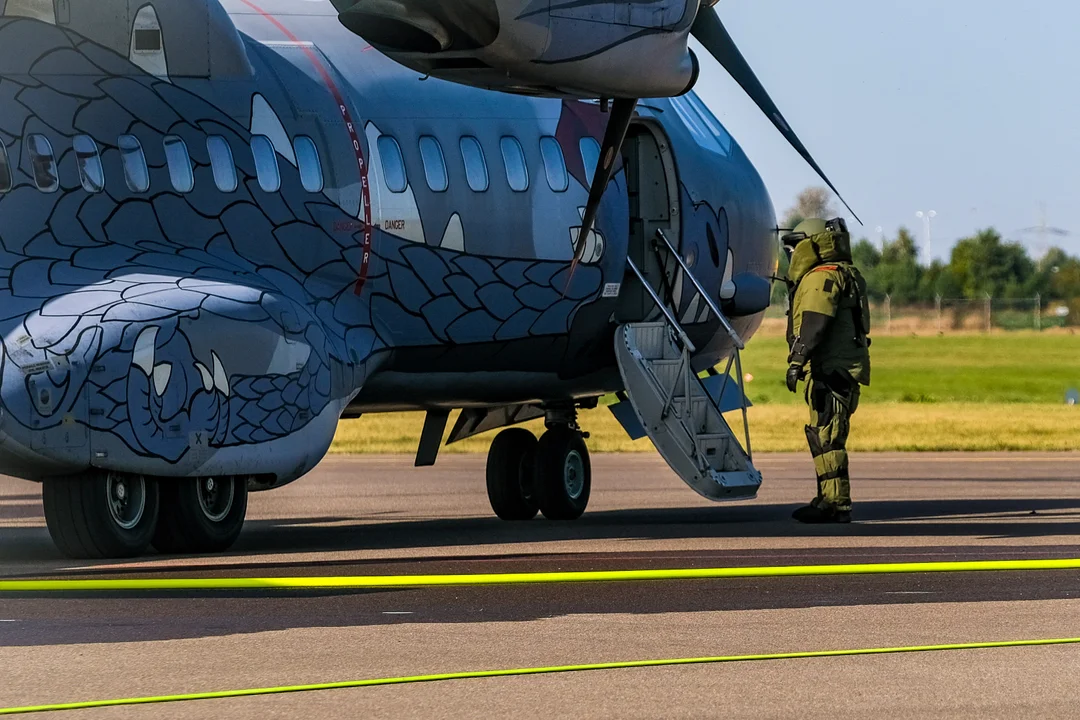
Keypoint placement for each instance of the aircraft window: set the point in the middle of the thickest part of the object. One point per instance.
(393, 165)
(43, 162)
(434, 164)
(554, 164)
(517, 172)
(711, 122)
(88, 158)
(133, 159)
(475, 165)
(307, 158)
(590, 156)
(266, 163)
(221, 162)
(708, 133)
(5, 170)
(179, 161)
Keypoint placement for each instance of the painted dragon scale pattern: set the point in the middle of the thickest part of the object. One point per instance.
(114, 305)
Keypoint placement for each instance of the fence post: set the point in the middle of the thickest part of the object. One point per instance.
(888, 315)
(1038, 311)
(937, 312)
(989, 312)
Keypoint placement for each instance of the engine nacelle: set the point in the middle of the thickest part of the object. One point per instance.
(562, 48)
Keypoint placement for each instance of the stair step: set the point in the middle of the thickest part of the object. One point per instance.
(691, 435)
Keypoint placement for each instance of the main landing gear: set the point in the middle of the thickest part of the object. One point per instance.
(552, 476)
(112, 515)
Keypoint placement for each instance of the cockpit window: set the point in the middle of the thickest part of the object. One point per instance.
(554, 164)
(179, 161)
(136, 174)
(5, 170)
(702, 124)
(221, 162)
(266, 163)
(590, 156)
(43, 163)
(434, 164)
(517, 172)
(393, 165)
(711, 122)
(88, 159)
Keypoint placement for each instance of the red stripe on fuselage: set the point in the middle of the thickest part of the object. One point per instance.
(354, 137)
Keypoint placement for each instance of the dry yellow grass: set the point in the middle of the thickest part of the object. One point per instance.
(779, 428)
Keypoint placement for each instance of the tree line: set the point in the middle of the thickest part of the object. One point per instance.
(980, 265)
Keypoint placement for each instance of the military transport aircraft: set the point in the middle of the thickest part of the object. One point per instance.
(227, 224)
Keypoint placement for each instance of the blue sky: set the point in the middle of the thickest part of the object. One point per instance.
(970, 108)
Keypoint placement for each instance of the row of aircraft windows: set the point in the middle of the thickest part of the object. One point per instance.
(177, 159)
(181, 172)
(475, 163)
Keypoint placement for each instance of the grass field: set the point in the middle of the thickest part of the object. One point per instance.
(954, 392)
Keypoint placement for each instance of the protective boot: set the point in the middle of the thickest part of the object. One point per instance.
(815, 514)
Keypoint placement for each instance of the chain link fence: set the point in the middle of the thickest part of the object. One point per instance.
(947, 315)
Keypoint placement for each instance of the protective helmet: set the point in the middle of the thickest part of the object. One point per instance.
(812, 227)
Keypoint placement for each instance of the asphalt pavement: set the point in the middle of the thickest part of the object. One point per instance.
(380, 516)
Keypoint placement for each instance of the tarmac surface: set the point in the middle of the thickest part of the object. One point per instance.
(380, 516)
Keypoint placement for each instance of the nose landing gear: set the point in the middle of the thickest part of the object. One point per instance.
(553, 475)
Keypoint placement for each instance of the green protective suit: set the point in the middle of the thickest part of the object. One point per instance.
(828, 333)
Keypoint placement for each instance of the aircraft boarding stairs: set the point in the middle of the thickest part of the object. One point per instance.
(680, 413)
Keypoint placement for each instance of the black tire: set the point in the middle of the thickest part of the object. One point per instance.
(101, 515)
(562, 474)
(200, 515)
(509, 475)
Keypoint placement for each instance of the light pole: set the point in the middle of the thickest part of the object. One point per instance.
(927, 217)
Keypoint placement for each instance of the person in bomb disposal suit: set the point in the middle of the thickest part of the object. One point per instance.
(828, 334)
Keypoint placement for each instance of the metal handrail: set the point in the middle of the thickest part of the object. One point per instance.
(663, 308)
(701, 291)
(688, 345)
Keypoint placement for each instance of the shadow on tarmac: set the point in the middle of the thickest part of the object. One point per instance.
(128, 617)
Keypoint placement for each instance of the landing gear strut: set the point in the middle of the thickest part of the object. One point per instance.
(552, 476)
(102, 514)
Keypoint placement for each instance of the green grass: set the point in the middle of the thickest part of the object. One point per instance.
(953, 392)
(1023, 367)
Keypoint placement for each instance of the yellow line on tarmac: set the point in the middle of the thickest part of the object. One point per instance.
(528, 671)
(394, 581)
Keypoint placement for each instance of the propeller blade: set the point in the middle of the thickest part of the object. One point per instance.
(711, 33)
(622, 113)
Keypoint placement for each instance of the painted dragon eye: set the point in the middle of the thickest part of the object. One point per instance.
(714, 249)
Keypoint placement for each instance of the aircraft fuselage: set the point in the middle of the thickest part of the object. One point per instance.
(225, 225)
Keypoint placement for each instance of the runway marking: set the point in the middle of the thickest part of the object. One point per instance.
(219, 695)
(416, 581)
(397, 612)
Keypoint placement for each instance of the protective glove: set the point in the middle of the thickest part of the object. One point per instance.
(794, 375)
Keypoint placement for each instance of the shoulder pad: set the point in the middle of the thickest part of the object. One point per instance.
(820, 268)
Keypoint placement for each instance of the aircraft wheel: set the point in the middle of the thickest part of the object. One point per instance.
(201, 515)
(509, 475)
(101, 515)
(563, 474)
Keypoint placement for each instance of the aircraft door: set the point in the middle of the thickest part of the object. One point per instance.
(653, 193)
